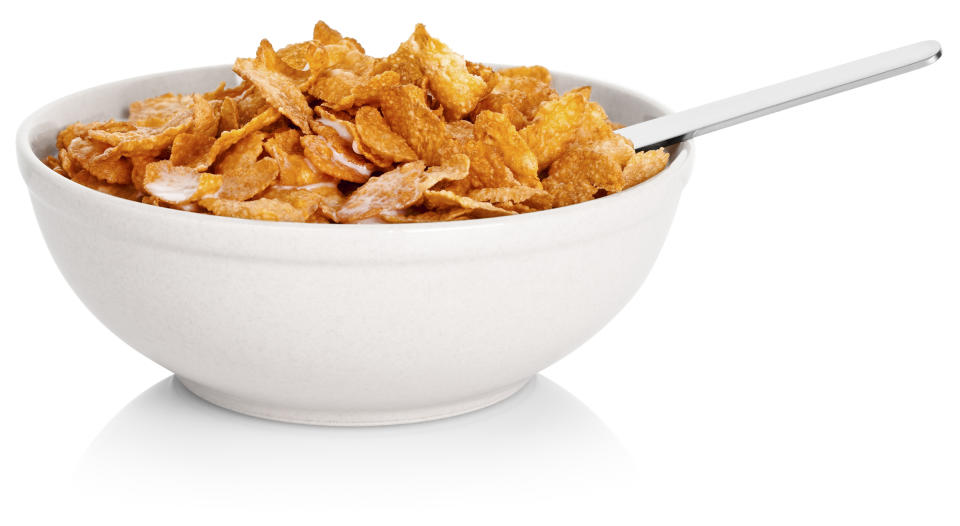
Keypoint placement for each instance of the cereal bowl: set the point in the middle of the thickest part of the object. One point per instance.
(346, 324)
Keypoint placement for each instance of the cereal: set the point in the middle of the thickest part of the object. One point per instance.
(320, 199)
(320, 132)
(244, 176)
(456, 168)
(54, 164)
(555, 126)
(517, 97)
(405, 110)
(71, 132)
(156, 111)
(229, 115)
(494, 129)
(250, 103)
(101, 160)
(278, 90)
(329, 120)
(297, 56)
(178, 184)
(393, 190)
(519, 208)
(139, 169)
(644, 165)
(460, 131)
(515, 194)
(284, 147)
(444, 199)
(325, 34)
(190, 149)
(379, 138)
(580, 174)
(342, 90)
(118, 190)
(223, 92)
(457, 90)
(616, 147)
(431, 216)
(206, 117)
(228, 139)
(263, 209)
(488, 168)
(145, 138)
(372, 90)
(539, 73)
(269, 58)
(332, 156)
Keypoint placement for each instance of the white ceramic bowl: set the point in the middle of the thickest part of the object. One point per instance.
(345, 324)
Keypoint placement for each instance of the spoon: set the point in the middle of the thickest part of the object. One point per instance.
(677, 127)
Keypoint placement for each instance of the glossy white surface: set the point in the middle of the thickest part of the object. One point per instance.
(791, 359)
(346, 324)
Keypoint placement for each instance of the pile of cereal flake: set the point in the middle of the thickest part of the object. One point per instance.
(321, 132)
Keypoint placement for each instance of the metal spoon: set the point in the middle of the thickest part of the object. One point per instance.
(688, 124)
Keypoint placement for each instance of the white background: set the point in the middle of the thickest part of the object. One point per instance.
(793, 358)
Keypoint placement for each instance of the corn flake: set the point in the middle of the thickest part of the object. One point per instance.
(394, 190)
(445, 199)
(272, 61)
(146, 138)
(430, 216)
(330, 155)
(178, 184)
(580, 174)
(229, 115)
(538, 73)
(278, 90)
(644, 165)
(514, 194)
(250, 103)
(100, 160)
(519, 98)
(406, 111)
(190, 148)
(496, 130)
(374, 134)
(157, 111)
(262, 209)
(297, 56)
(455, 168)
(284, 147)
(229, 138)
(457, 90)
(555, 126)
(321, 199)
(244, 176)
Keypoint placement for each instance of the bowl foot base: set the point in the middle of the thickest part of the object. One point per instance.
(326, 417)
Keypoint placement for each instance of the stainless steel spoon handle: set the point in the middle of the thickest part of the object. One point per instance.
(688, 124)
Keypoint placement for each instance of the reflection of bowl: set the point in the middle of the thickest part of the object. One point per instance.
(543, 432)
(542, 452)
(345, 324)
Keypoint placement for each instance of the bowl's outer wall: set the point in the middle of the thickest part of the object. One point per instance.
(350, 319)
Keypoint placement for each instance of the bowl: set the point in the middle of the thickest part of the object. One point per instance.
(334, 324)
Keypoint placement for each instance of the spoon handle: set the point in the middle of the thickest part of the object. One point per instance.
(688, 124)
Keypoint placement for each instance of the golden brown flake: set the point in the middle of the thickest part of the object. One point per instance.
(644, 165)
(319, 131)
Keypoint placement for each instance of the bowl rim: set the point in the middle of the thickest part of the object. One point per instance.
(675, 168)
